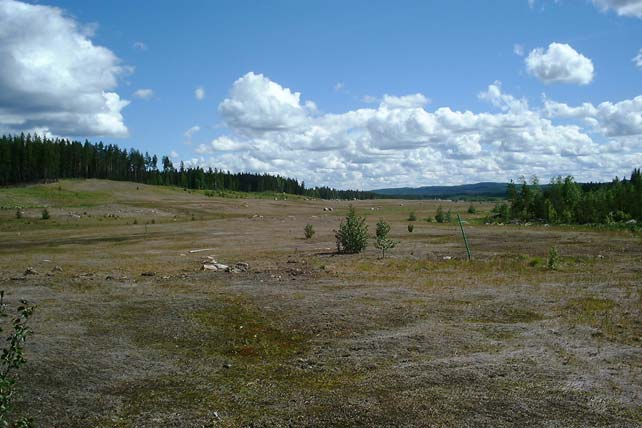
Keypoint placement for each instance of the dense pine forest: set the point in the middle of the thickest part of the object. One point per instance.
(28, 159)
(565, 201)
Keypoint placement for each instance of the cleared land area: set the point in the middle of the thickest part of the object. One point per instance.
(307, 337)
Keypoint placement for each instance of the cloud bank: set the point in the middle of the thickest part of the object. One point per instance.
(270, 128)
(53, 79)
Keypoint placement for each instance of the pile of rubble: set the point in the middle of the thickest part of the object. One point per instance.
(209, 263)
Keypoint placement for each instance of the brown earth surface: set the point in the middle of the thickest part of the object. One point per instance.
(307, 337)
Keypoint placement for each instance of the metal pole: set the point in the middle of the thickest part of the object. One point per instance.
(461, 226)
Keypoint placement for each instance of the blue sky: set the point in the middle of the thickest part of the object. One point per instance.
(465, 84)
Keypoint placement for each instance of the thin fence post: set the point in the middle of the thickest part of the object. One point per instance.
(461, 226)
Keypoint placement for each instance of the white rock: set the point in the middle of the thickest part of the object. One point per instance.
(209, 267)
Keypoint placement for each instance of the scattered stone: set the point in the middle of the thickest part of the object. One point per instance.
(227, 365)
(109, 278)
(600, 256)
(209, 267)
(295, 271)
(242, 266)
(447, 258)
(56, 269)
(148, 273)
(18, 278)
(200, 250)
(30, 271)
(220, 266)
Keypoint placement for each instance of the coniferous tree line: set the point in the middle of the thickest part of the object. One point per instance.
(27, 159)
(565, 201)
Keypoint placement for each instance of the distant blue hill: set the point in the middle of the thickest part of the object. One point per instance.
(478, 190)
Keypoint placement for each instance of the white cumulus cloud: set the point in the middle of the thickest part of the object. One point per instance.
(53, 78)
(637, 60)
(621, 7)
(518, 49)
(405, 101)
(140, 46)
(144, 94)
(619, 119)
(199, 93)
(189, 133)
(257, 104)
(560, 63)
(222, 144)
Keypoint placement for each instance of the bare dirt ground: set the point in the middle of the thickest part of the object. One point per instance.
(307, 337)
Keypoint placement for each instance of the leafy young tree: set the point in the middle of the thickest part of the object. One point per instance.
(440, 216)
(12, 358)
(352, 236)
(553, 260)
(382, 241)
(308, 230)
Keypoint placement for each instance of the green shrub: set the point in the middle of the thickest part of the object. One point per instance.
(535, 261)
(411, 227)
(45, 214)
(381, 235)
(472, 209)
(18, 213)
(308, 230)
(12, 359)
(352, 236)
(501, 212)
(553, 261)
(440, 217)
(412, 216)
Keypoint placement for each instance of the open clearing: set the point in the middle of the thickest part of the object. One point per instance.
(306, 337)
